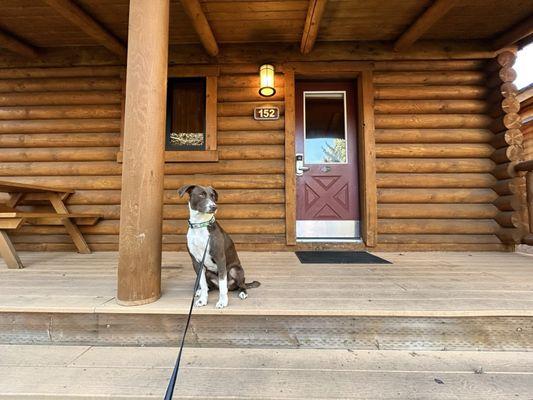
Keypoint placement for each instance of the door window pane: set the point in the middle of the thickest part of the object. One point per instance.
(325, 128)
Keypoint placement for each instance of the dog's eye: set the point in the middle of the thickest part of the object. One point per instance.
(202, 194)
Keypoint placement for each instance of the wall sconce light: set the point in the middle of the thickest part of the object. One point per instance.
(266, 75)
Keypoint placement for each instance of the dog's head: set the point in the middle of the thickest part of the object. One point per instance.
(201, 198)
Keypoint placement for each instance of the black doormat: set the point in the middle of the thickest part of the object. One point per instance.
(339, 257)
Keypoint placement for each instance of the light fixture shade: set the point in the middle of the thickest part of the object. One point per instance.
(266, 75)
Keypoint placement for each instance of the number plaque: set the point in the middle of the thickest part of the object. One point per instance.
(266, 113)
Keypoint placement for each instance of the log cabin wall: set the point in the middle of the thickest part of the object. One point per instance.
(435, 146)
(249, 175)
(433, 150)
(61, 127)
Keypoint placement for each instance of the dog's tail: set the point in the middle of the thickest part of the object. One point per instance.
(252, 285)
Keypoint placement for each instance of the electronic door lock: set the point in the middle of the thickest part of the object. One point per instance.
(300, 169)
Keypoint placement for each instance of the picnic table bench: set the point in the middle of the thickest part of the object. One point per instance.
(12, 218)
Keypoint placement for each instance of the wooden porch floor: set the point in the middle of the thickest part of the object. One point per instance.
(416, 284)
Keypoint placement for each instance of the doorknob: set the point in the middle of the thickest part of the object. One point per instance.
(300, 169)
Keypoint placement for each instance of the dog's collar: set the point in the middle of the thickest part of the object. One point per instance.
(196, 225)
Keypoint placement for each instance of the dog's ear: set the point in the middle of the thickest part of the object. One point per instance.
(185, 189)
(214, 192)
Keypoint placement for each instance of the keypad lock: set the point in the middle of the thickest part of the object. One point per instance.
(300, 169)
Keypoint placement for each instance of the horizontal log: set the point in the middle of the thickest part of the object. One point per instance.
(505, 74)
(510, 202)
(505, 171)
(508, 137)
(22, 140)
(248, 124)
(510, 105)
(411, 180)
(61, 72)
(434, 165)
(426, 195)
(112, 168)
(170, 182)
(503, 59)
(60, 168)
(506, 154)
(510, 235)
(60, 126)
(167, 239)
(254, 152)
(430, 92)
(228, 211)
(429, 78)
(438, 226)
(449, 150)
(509, 186)
(247, 94)
(58, 154)
(240, 109)
(507, 89)
(433, 135)
(60, 98)
(225, 196)
(509, 219)
(415, 121)
(437, 239)
(239, 196)
(430, 106)
(250, 137)
(176, 227)
(59, 84)
(60, 112)
(430, 65)
(508, 121)
(394, 211)
(239, 80)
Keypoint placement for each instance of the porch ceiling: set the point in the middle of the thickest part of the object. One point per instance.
(36, 23)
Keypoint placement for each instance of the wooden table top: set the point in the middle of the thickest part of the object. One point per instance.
(18, 187)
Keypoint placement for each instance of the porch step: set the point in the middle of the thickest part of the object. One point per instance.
(423, 301)
(272, 331)
(81, 372)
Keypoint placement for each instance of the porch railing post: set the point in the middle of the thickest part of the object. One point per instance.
(139, 265)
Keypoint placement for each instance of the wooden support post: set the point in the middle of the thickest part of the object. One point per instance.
(8, 252)
(290, 168)
(367, 152)
(139, 265)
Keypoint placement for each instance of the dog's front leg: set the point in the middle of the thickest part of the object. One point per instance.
(222, 283)
(202, 298)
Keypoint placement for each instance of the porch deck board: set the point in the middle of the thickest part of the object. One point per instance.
(416, 284)
(141, 373)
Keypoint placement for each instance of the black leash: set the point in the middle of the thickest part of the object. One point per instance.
(170, 388)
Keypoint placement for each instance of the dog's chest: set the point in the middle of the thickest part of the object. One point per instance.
(196, 241)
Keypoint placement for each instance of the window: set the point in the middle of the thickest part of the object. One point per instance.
(191, 129)
(325, 128)
(185, 114)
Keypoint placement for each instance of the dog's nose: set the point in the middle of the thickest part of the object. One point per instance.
(213, 208)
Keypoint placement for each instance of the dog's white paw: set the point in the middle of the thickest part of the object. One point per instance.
(202, 301)
(243, 295)
(223, 302)
(198, 293)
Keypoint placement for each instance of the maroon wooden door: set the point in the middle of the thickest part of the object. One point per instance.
(327, 184)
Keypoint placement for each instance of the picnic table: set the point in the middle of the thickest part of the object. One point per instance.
(12, 217)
